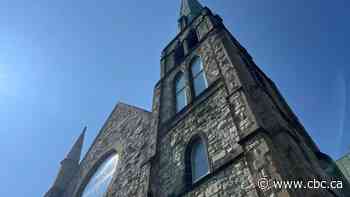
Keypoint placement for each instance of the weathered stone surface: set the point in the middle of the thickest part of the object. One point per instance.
(247, 127)
(212, 118)
(128, 132)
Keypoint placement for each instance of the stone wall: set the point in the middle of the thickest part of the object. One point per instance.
(127, 132)
(213, 119)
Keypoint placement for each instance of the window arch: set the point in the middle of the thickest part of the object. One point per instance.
(180, 92)
(197, 164)
(198, 76)
(98, 183)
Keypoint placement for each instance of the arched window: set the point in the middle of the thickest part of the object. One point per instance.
(181, 95)
(99, 182)
(198, 160)
(198, 76)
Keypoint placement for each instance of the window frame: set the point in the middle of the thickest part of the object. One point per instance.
(198, 142)
(194, 76)
(198, 138)
(180, 76)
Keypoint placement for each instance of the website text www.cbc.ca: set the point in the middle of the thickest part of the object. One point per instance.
(267, 184)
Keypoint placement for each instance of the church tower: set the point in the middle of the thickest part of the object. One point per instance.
(218, 128)
(222, 124)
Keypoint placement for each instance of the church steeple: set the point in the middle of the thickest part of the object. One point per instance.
(75, 152)
(188, 11)
(69, 167)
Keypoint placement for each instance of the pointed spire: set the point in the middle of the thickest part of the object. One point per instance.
(75, 152)
(190, 9)
(69, 167)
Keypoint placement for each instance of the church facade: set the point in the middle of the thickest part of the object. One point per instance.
(217, 126)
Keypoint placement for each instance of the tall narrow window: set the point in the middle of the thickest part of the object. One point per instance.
(198, 76)
(192, 39)
(179, 54)
(99, 182)
(180, 88)
(199, 160)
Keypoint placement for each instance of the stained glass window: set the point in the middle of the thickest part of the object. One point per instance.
(99, 182)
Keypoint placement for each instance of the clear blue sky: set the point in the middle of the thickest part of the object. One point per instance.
(65, 64)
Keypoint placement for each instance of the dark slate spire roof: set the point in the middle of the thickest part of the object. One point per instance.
(190, 9)
(75, 153)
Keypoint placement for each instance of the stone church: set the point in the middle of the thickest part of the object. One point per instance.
(218, 124)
